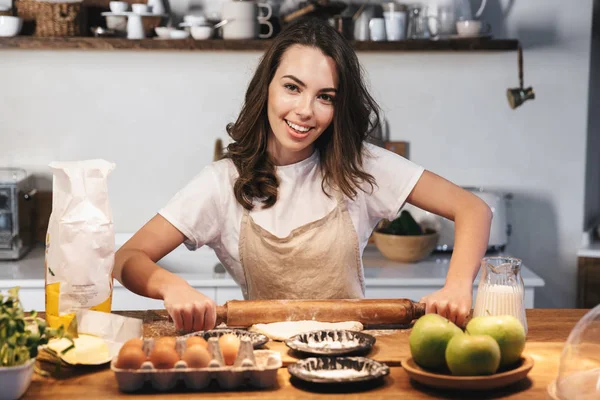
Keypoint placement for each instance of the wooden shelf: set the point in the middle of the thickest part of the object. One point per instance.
(92, 43)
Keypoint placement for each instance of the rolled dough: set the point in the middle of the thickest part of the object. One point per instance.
(286, 329)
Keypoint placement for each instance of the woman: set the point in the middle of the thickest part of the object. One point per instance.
(290, 208)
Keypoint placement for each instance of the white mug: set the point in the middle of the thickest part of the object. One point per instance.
(377, 29)
(246, 29)
(245, 10)
(156, 6)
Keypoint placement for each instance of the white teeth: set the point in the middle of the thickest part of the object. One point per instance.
(297, 127)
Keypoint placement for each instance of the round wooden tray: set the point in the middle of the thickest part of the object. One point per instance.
(487, 382)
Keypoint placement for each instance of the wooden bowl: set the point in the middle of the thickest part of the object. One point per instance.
(405, 248)
(486, 382)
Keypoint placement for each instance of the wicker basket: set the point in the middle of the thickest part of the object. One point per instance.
(51, 19)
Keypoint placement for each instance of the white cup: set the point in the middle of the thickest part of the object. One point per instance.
(471, 27)
(140, 8)
(118, 6)
(377, 29)
(10, 26)
(395, 25)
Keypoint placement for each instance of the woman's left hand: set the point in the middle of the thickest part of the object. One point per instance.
(450, 302)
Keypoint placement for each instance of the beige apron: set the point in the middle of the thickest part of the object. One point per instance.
(319, 260)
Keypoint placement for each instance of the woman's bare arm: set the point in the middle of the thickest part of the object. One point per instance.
(136, 269)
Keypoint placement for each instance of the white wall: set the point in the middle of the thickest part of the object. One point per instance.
(157, 115)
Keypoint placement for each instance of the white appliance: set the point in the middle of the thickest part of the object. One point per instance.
(500, 229)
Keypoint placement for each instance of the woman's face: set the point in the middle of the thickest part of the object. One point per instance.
(301, 103)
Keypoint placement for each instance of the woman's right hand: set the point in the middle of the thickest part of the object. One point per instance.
(190, 310)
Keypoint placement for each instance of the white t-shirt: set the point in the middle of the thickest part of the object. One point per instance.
(207, 212)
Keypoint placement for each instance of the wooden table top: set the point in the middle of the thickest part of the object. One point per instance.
(548, 331)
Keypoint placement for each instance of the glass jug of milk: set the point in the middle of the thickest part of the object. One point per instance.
(501, 290)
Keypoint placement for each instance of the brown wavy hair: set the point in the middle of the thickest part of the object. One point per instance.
(340, 146)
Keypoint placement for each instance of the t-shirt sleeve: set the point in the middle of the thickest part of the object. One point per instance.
(196, 209)
(395, 177)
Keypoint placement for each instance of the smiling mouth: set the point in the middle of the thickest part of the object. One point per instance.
(298, 128)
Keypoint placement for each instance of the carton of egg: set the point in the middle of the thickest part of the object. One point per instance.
(255, 368)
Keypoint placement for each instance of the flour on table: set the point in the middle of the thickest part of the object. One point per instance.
(287, 329)
(339, 373)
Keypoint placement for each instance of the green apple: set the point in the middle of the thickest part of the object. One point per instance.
(428, 340)
(507, 330)
(471, 355)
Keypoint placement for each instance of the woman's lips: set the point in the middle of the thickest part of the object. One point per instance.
(296, 134)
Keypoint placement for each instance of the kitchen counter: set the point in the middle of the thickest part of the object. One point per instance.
(383, 278)
(591, 250)
(379, 271)
(548, 332)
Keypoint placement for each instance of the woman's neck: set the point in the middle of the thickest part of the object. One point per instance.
(282, 156)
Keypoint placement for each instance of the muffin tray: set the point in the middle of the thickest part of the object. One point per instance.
(331, 342)
(336, 370)
(257, 339)
(255, 368)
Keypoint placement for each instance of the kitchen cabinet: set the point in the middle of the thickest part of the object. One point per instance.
(588, 282)
(588, 275)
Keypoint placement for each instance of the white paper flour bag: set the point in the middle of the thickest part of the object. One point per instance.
(80, 243)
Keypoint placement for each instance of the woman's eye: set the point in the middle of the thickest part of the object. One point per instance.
(328, 98)
(291, 86)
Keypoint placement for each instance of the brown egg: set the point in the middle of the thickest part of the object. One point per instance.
(130, 357)
(163, 356)
(194, 340)
(135, 342)
(229, 344)
(196, 356)
(168, 340)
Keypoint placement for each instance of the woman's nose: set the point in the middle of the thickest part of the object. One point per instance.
(304, 107)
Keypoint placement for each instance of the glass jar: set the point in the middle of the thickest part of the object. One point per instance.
(579, 371)
(501, 290)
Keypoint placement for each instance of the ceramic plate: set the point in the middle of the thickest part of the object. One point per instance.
(447, 381)
(337, 370)
(257, 339)
(331, 342)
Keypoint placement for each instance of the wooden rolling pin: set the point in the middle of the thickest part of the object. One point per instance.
(240, 314)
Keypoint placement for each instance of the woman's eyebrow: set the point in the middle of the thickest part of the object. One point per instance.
(299, 82)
